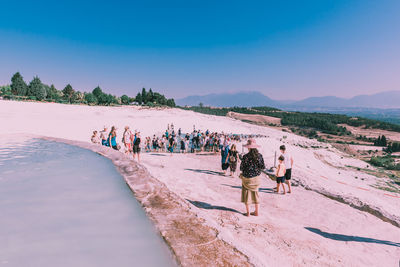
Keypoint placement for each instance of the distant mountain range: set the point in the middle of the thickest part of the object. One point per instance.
(242, 99)
(384, 100)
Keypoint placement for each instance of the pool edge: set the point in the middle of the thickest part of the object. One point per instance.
(190, 240)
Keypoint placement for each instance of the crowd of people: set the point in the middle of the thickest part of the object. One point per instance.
(171, 141)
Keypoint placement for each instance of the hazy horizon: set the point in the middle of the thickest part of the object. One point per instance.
(287, 52)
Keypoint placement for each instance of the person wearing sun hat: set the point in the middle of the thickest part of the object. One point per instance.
(251, 166)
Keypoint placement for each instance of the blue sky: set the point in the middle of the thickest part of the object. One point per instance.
(284, 49)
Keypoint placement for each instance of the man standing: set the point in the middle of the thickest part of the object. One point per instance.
(103, 136)
(136, 146)
(288, 161)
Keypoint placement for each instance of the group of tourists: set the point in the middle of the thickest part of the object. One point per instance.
(130, 140)
(251, 166)
(171, 141)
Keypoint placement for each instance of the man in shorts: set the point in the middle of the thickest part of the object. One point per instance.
(136, 146)
(103, 137)
(288, 161)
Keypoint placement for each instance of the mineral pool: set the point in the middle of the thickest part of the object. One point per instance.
(62, 205)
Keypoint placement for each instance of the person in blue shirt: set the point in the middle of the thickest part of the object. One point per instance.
(112, 138)
(224, 156)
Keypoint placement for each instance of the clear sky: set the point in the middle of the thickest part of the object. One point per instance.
(284, 49)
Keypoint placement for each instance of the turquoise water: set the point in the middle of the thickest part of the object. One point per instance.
(62, 205)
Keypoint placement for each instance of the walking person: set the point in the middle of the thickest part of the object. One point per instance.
(233, 159)
(112, 138)
(224, 157)
(183, 145)
(171, 144)
(127, 140)
(192, 145)
(280, 175)
(251, 166)
(288, 161)
(136, 146)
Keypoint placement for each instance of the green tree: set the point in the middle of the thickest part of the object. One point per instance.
(110, 99)
(68, 92)
(5, 90)
(144, 95)
(139, 99)
(383, 141)
(97, 92)
(90, 98)
(125, 100)
(102, 99)
(171, 102)
(36, 88)
(150, 96)
(52, 92)
(18, 85)
(77, 97)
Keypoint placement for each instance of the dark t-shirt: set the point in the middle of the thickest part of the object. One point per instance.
(233, 154)
(137, 141)
(251, 168)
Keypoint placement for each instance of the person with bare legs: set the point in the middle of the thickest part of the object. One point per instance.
(136, 146)
(288, 165)
(126, 139)
(233, 159)
(280, 175)
(251, 166)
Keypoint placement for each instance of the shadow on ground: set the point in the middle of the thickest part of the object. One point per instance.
(206, 154)
(206, 172)
(263, 190)
(349, 238)
(161, 155)
(207, 206)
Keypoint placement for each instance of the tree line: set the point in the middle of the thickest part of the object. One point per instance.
(324, 122)
(36, 90)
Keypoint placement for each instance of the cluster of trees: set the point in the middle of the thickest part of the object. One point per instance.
(151, 98)
(381, 141)
(386, 162)
(393, 147)
(365, 138)
(313, 120)
(36, 90)
(324, 122)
